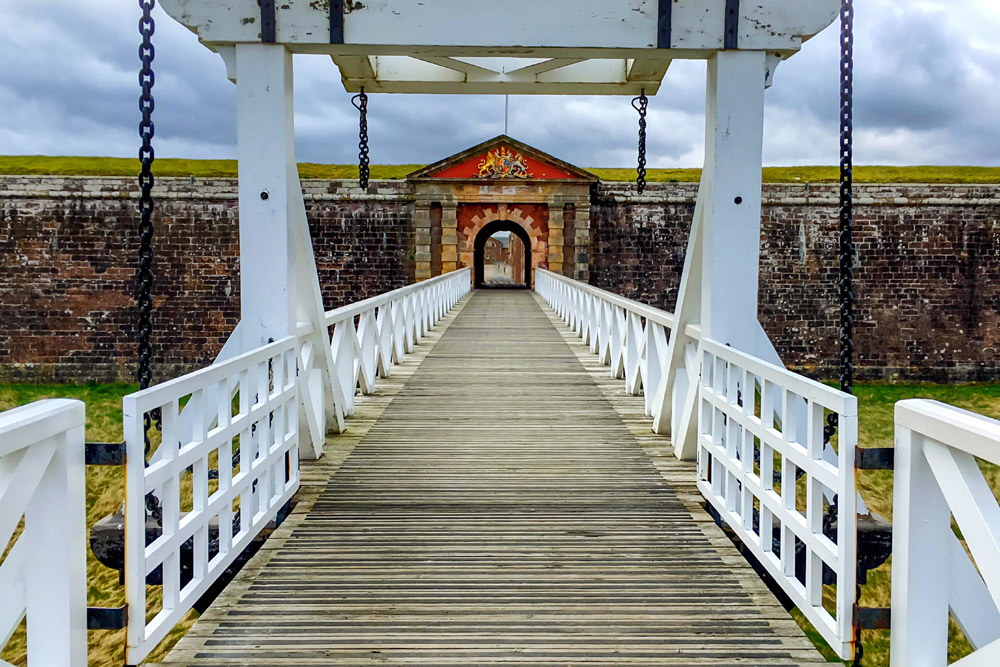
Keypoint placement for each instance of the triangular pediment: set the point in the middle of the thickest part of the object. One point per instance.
(502, 159)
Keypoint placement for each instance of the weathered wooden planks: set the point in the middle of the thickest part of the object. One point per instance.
(506, 505)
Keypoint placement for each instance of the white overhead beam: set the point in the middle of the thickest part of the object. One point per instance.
(395, 74)
(458, 65)
(766, 25)
(544, 66)
(563, 33)
(648, 69)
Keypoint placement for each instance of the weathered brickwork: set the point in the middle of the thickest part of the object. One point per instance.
(928, 277)
(67, 257)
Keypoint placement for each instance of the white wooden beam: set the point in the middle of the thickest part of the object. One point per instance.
(279, 286)
(458, 66)
(516, 26)
(544, 66)
(722, 263)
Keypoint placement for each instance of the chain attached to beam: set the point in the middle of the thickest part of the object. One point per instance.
(144, 273)
(641, 104)
(360, 102)
(846, 284)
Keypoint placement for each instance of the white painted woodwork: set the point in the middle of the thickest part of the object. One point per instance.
(718, 290)
(266, 140)
(524, 46)
(937, 479)
(743, 444)
(264, 423)
(44, 575)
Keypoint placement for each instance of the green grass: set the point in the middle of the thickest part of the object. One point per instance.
(105, 495)
(103, 166)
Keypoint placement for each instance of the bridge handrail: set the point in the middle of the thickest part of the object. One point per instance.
(44, 575)
(661, 317)
(937, 478)
(760, 428)
(272, 386)
(633, 339)
(358, 307)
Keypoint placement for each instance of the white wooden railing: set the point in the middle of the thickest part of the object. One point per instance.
(256, 403)
(628, 336)
(769, 480)
(938, 477)
(743, 442)
(44, 574)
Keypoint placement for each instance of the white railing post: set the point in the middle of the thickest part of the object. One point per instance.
(937, 478)
(44, 575)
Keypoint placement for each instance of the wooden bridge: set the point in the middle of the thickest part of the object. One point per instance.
(499, 501)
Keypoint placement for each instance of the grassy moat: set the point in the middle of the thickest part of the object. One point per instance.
(181, 168)
(105, 495)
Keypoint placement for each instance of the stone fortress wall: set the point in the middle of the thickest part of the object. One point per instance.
(928, 269)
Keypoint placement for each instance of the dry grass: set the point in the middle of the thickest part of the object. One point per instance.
(103, 166)
(104, 495)
(875, 420)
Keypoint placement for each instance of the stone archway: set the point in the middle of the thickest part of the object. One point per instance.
(479, 248)
(528, 221)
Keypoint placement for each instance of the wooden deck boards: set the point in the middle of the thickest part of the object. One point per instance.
(500, 502)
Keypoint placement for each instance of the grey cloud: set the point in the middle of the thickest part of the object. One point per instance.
(925, 93)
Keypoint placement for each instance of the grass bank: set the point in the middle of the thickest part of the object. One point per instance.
(104, 166)
(104, 495)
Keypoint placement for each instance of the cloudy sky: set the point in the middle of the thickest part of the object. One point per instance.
(927, 92)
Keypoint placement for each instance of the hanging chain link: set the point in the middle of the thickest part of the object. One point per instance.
(360, 102)
(846, 285)
(641, 104)
(144, 273)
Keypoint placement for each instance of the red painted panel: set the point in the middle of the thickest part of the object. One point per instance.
(471, 168)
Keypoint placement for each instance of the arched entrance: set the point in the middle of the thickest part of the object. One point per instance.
(480, 248)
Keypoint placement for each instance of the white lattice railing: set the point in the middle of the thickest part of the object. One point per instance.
(262, 423)
(44, 574)
(252, 405)
(769, 480)
(742, 447)
(938, 478)
(628, 336)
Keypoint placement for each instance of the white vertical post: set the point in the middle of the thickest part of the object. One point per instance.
(921, 537)
(266, 136)
(731, 223)
(719, 286)
(51, 552)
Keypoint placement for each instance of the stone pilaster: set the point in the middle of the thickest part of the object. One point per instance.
(449, 237)
(422, 239)
(582, 230)
(556, 257)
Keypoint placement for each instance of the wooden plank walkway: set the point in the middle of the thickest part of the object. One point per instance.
(499, 503)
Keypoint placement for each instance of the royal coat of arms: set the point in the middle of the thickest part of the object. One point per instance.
(502, 163)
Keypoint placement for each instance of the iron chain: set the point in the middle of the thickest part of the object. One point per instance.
(846, 284)
(641, 104)
(144, 273)
(360, 102)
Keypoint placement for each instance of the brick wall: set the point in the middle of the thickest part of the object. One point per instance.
(927, 275)
(928, 280)
(67, 256)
